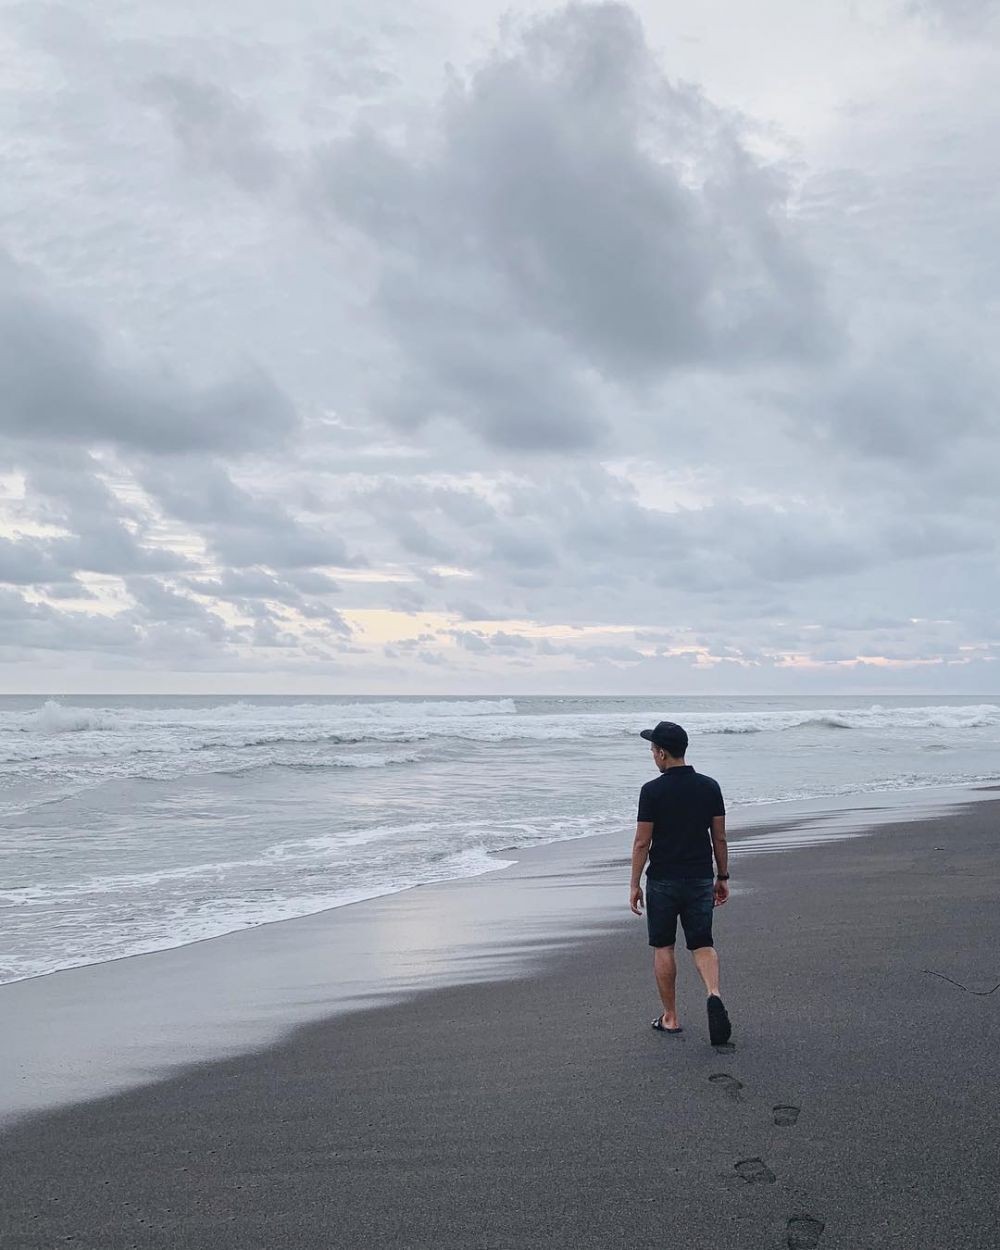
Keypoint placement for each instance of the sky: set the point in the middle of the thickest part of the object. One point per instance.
(354, 347)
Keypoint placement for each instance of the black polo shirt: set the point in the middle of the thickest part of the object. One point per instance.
(681, 804)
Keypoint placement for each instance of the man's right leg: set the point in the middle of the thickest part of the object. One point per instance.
(661, 923)
(665, 970)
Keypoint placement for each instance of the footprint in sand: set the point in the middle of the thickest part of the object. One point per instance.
(754, 1172)
(804, 1232)
(785, 1115)
(728, 1084)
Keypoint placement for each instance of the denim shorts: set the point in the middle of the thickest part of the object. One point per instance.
(692, 900)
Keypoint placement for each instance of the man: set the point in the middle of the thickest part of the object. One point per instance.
(681, 824)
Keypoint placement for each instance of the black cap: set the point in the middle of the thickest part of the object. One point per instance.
(668, 736)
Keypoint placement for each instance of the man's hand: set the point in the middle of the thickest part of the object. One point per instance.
(721, 892)
(635, 900)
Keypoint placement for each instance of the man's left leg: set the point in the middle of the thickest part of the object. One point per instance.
(696, 917)
(720, 1030)
(707, 962)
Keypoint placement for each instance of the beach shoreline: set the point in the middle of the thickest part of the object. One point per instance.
(95, 1029)
(529, 1103)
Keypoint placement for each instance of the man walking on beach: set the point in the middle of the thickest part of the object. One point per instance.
(681, 825)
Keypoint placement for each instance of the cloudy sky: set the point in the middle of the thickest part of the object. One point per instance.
(359, 346)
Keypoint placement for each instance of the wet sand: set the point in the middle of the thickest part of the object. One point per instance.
(856, 1109)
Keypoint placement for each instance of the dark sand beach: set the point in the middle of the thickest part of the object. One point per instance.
(857, 1108)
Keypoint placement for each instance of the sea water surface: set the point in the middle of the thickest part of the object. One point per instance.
(135, 824)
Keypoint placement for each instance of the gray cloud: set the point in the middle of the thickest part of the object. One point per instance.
(106, 546)
(60, 382)
(959, 16)
(36, 626)
(247, 584)
(309, 582)
(219, 133)
(27, 562)
(160, 603)
(418, 540)
(105, 536)
(523, 546)
(240, 528)
(577, 222)
(909, 402)
(471, 610)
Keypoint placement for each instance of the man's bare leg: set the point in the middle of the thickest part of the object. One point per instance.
(720, 1028)
(707, 963)
(665, 970)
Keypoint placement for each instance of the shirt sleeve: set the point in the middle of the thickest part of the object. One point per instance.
(645, 805)
(716, 803)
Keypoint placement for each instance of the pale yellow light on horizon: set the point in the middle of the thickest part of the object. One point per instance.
(383, 625)
(876, 661)
(31, 529)
(448, 570)
(369, 575)
(390, 625)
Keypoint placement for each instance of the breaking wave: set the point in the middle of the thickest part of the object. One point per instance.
(56, 730)
(978, 716)
(53, 717)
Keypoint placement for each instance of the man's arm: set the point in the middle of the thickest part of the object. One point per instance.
(640, 853)
(720, 849)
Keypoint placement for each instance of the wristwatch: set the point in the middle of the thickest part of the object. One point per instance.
(722, 876)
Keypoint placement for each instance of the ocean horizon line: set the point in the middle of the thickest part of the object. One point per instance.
(495, 694)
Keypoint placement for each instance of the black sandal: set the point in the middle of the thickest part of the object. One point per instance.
(719, 1028)
(660, 1027)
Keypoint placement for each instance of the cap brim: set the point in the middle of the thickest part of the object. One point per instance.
(647, 734)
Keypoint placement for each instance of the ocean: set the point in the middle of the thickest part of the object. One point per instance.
(134, 824)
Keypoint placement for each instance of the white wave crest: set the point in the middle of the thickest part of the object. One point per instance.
(954, 717)
(53, 718)
(976, 716)
(366, 759)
